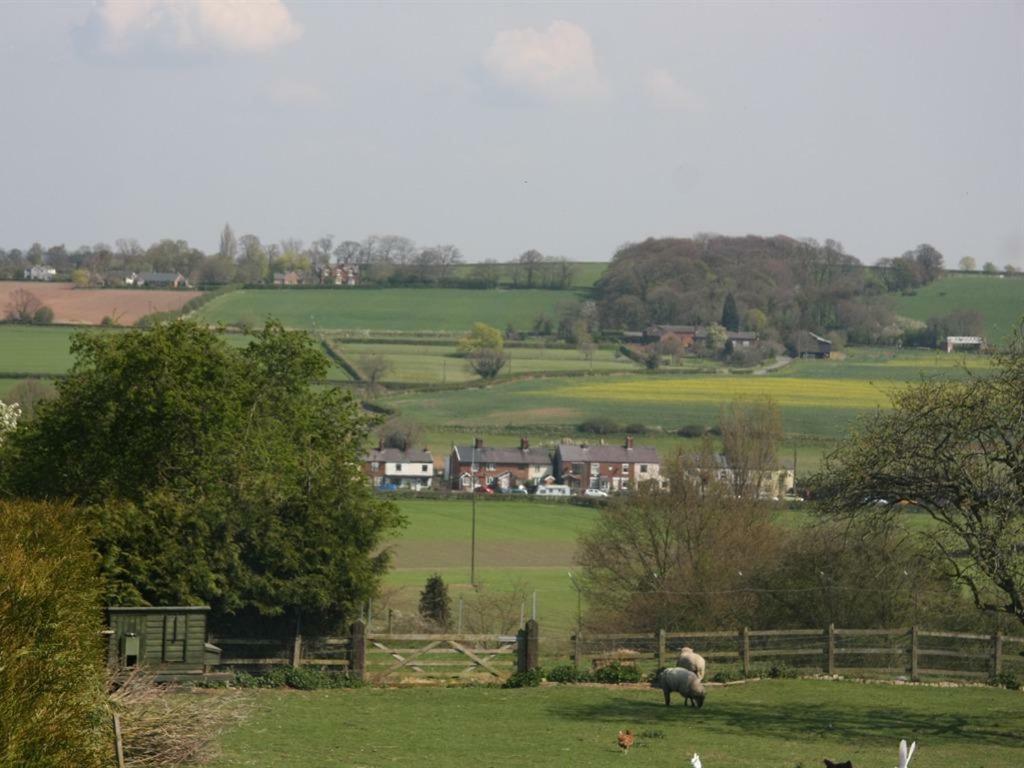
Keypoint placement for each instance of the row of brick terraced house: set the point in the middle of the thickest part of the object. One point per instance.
(608, 468)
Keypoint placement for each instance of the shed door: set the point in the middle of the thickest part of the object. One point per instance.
(174, 637)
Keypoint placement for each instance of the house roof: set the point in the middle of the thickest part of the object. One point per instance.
(612, 454)
(396, 455)
(488, 455)
(819, 339)
(160, 277)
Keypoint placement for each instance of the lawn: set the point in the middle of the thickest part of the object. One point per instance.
(781, 723)
(402, 309)
(436, 364)
(37, 350)
(999, 299)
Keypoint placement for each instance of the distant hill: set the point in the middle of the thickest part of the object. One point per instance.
(999, 299)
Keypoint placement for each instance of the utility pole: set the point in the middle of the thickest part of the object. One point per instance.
(472, 490)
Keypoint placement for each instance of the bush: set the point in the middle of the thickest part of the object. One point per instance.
(725, 676)
(43, 316)
(1005, 680)
(616, 673)
(52, 708)
(567, 673)
(635, 429)
(600, 425)
(692, 430)
(529, 679)
(301, 679)
(777, 671)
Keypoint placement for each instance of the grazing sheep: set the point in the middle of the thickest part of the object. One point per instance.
(682, 681)
(691, 661)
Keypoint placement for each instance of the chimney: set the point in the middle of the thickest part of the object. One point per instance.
(524, 443)
(629, 442)
(478, 443)
(380, 444)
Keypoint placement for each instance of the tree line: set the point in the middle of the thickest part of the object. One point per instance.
(246, 259)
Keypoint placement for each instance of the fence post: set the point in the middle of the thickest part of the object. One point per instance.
(297, 650)
(913, 652)
(997, 653)
(528, 647)
(357, 650)
(830, 664)
(745, 650)
(390, 619)
(661, 647)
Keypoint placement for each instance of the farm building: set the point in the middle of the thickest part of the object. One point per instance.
(391, 468)
(959, 342)
(162, 280)
(287, 278)
(688, 335)
(812, 345)
(606, 467)
(169, 641)
(473, 466)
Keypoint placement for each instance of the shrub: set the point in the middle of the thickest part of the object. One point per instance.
(616, 673)
(301, 679)
(725, 676)
(692, 430)
(43, 316)
(1005, 680)
(52, 709)
(600, 425)
(567, 673)
(777, 671)
(635, 429)
(529, 679)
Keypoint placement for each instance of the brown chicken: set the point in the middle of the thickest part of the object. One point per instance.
(625, 740)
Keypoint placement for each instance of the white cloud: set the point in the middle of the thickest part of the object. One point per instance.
(295, 93)
(665, 93)
(556, 64)
(120, 28)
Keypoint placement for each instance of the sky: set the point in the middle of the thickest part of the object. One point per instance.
(569, 128)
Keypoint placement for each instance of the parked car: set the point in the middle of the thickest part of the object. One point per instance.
(596, 493)
(485, 489)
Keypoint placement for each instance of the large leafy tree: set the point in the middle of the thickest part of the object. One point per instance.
(214, 474)
(955, 450)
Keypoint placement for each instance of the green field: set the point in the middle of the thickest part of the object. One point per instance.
(46, 351)
(784, 723)
(436, 364)
(402, 309)
(519, 543)
(999, 299)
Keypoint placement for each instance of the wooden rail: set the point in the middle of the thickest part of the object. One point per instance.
(911, 651)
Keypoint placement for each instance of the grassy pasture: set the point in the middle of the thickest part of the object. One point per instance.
(519, 543)
(999, 299)
(584, 275)
(401, 309)
(46, 350)
(433, 364)
(783, 723)
(817, 408)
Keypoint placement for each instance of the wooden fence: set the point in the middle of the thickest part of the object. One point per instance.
(913, 652)
(388, 656)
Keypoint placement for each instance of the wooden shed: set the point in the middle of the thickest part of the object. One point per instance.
(169, 641)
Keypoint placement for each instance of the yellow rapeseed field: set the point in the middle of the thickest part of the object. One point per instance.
(818, 393)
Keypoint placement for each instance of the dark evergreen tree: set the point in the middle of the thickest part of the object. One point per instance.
(730, 315)
(435, 605)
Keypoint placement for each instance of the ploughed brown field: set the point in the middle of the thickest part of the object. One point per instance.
(89, 306)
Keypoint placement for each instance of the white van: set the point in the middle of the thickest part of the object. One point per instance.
(553, 490)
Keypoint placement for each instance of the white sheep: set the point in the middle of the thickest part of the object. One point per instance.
(690, 660)
(682, 681)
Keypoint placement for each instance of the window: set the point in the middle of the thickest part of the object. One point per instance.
(577, 469)
(595, 468)
(423, 467)
(643, 468)
(625, 468)
(490, 467)
(398, 467)
(374, 466)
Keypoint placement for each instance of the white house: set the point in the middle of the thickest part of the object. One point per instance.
(411, 469)
(39, 272)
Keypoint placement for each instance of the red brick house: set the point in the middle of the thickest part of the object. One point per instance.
(339, 274)
(606, 467)
(498, 468)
